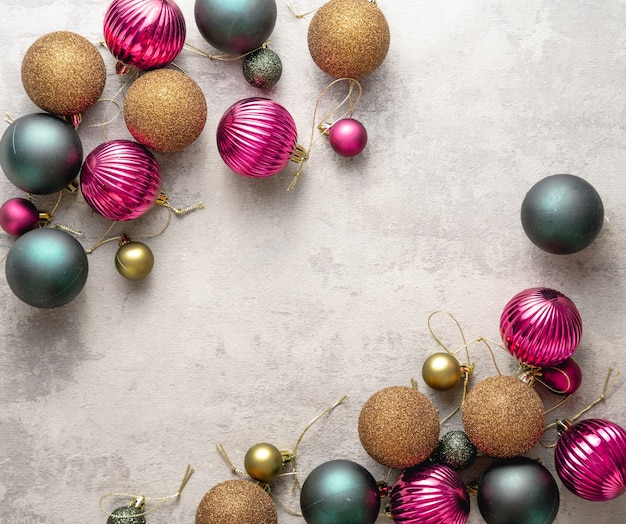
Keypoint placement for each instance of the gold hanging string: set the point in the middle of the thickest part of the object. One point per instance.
(607, 229)
(163, 200)
(104, 122)
(197, 51)
(294, 10)
(458, 325)
(538, 373)
(8, 118)
(467, 373)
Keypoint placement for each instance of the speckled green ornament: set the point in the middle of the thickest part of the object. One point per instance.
(455, 450)
(262, 68)
(127, 515)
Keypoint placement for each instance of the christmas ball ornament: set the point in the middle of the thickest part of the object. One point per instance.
(146, 34)
(590, 458)
(429, 494)
(256, 137)
(398, 427)
(347, 137)
(564, 378)
(541, 327)
(518, 491)
(46, 268)
(348, 38)
(120, 180)
(63, 74)
(134, 260)
(441, 371)
(263, 462)
(262, 68)
(236, 501)
(132, 514)
(18, 215)
(455, 450)
(562, 214)
(165, 110)
(340, 491)
(235, 26)
(40, 153)
(503, 416)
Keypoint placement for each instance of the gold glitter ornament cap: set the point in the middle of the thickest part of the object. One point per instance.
(63, 73)
(398, 427)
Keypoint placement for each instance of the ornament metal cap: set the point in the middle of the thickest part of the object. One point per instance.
(563, 425)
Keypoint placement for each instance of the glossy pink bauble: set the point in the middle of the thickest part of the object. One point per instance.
(590, 458)
(348, 137)
(256, 137)
(429, 494)
(18, 215)
(146, 34)
(120, 180)
(564, 378)
(541, 327)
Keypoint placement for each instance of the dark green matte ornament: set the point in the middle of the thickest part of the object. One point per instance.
(262, 68)
(126, 515)
(340, 491)
(46, 268)
(455, 450)
(40, 153)
(518, 491)
(562, 214)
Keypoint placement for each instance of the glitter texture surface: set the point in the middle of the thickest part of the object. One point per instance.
(503, 417)
(127, 515)
(262, 68)
(398, 427)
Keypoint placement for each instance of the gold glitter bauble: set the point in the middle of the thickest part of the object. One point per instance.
(165, 110)
(441, 371)
(263, 461)
(399, 427)
(503, 416)
(348, 38)
(63, 73)
(236, 501)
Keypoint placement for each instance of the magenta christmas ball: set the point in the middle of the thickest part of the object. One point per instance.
(18, 215)
(120, 180)
(590, 458)
(564, 378)
(347, 136)
(146, 34)
(256, 137)
(541, 327)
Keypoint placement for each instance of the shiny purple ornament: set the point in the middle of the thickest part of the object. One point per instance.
(120, 180)
(256, 137)
(146, 34)
(590, 458)
(348, 137)
(18, 215)
(541, 327)
(429, 494)
(563, 378)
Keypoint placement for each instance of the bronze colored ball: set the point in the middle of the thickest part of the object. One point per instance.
(263, 462)
(63, 73)
(236, 501)
(398, 427)
(134, 260)
(441, 371)
(165, 110)
(348, 38)
(503, 416)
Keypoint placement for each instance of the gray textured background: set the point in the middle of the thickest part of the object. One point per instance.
(267, 306)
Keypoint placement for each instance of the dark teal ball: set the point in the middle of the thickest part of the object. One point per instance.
(40, 153)
(46, 268)
(562, 214)
(340, 491)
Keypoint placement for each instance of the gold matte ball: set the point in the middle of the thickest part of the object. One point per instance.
(236, 501)
(399, 427)
(165, 110)
(348, 38)
(263, 462)
(503, 416)
(441, 371)
(63, 73)
(134, 260)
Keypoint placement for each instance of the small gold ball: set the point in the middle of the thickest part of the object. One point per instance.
(263, 462)
(134, 260)
(441, 371)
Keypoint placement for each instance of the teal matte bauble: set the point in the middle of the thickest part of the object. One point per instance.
(46, 268)
(340, 491)
(235, 26)
(562, 214)
(40, 153)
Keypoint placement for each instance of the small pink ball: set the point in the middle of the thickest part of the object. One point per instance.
(564, 378)
(18, 215)
(348, 137)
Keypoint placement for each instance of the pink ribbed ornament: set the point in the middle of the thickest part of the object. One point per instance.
(590, 458)
(541, 327)
(146, 34)
(256, 137)
(429, 494)
(120, 180)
